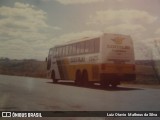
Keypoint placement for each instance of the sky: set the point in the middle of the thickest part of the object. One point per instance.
(28, 28)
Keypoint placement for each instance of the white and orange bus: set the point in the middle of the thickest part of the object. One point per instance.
(106, 59)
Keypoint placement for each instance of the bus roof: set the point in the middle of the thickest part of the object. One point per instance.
(75, 41)
(84, 39)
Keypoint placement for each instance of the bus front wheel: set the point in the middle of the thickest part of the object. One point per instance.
(53, 77)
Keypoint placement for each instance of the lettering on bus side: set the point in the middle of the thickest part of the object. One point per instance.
(77, 59)
(93, 58)
(120, 47)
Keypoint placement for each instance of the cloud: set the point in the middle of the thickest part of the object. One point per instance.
(57, 28)
(109, 17)
(38, 49)
(124, 21)
(24, 32)
(73, 2)
(126, 29)
(21, 5)
(22, 20)
(121, 0)
(69, 2)
(157, 31)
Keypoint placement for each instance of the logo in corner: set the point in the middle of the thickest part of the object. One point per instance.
(118, 40)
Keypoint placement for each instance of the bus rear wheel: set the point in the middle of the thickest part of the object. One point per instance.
(78, 76)
(85, 78)
(115, 83)
(53, 77)
(104, 83)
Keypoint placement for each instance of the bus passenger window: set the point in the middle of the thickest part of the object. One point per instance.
(82, 47)
(67, 50)
(60, 51)
(91, 46)
(64, 51)
(56, 52)
(96, 45)
(86, 46)
(78, 48)
(74, 49)
(70, 49)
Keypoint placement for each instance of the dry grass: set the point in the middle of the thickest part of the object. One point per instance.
(31, 68)
(145, 75)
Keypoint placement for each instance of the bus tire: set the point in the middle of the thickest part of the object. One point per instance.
(78, 76)
(114, 84)
(53, 77)
(85, 78)
(104, 83)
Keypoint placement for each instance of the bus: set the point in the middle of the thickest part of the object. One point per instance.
(106, 59)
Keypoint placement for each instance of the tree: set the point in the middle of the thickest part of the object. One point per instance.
(149, 52)
(156, 61)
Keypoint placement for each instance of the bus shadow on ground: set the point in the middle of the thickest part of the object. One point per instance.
(96, 86)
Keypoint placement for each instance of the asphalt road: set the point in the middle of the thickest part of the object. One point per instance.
(34, 94)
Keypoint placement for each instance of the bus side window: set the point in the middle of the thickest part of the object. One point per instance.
(63, 50)
(74, 49)
(54, 52)
(60, 52)
(96, 45)
(86, 46)
(78, 48)
(82, 47)
(70, 49)
(91, 46)
(57, 52)
(66, 51)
